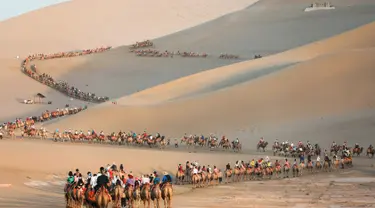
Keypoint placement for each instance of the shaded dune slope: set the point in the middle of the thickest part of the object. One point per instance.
(327, 85)
(255, 30)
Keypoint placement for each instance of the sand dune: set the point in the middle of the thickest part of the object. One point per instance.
(106, 23)
(329, 85)
(17, 87)
(360, 38)
(255, 30)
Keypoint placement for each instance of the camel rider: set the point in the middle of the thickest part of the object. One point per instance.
(209, 170)
(196, 164)
(228, 166)
(88, 133)
(102, 180)
(318, 159)
(267, 159)
(300, 144)
(180, 169)
(56, 131)
(88, 180)
(166, 179)
(130, 181)
(216, 170)
(204, 169)
(370, 147)
(157, 135)
(276, 142)
(76, 132)
(101, 133)
(70, 179)
(269, 164)
(292, 146)
(277, 163)
(295, 162)
(236, 141)
(252, 163)
(326, 159)
(286, 163)
(356, 145)
(261, 140)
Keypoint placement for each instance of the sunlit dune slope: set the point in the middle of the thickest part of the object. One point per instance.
(327, 85)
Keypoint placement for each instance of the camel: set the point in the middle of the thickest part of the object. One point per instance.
(137, 196)
(357, 151)
(326, 166)
(310, 167)
(129, 195)
(318, 166)
(180, 176)
(156, 195)
(117, 196)
(228, 175)
(166, 194)
(102, 197)
(196, 180)
(146, 195)
(237, 174)
(262, 145)
(295, 170)
(370, 152)
(277, 171)
(286, 171)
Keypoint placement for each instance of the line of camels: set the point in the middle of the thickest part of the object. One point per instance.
(27, 125)
(255, 170)
(137, 48)
(62, 86)
(198, 177)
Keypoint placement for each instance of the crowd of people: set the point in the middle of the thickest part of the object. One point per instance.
(109, 177)
(62, 86)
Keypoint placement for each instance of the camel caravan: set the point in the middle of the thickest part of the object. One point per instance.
(211, 142)
(228, 56)
(27, 126)
(62, 86)
(153, 53)
(120, 138)
(203, 176)
(143, 44)
(287, 149)
(117, 187)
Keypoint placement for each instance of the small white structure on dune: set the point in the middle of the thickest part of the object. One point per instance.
(319, 6)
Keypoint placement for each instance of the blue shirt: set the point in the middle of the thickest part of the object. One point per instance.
(156, 180)
(165, 178)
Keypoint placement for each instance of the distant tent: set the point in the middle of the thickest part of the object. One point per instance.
(38, 97)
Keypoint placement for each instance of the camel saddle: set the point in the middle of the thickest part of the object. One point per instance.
(105, 191)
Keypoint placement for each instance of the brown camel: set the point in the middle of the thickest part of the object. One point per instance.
(167, 194)
(146, 195)
(117, 196)
(156, 195)
(129, 195)
(180, 177)
(102, 197)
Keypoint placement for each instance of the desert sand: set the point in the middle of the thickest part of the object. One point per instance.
(315, 82)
